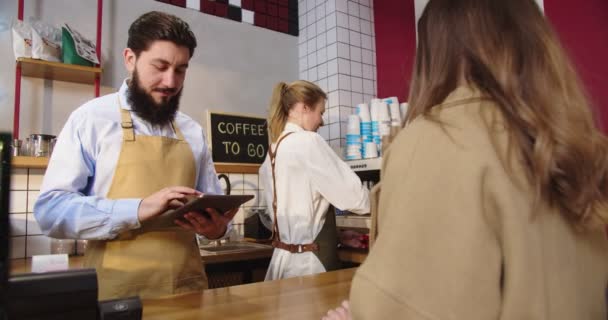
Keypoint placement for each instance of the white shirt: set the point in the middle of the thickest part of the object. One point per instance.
(72, 202)
(309, 176)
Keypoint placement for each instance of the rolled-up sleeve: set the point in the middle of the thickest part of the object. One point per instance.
(63, 208)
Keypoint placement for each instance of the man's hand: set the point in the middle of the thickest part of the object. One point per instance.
(163, 200)
(212, 227)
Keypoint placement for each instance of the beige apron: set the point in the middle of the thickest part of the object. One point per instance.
(154, 260)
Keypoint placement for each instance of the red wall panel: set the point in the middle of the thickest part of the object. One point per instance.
(581, 25)
(394, 23)
(583, 29)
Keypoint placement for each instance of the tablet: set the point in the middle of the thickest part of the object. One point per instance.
(221, 203)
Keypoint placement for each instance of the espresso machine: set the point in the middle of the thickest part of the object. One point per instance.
(350, 224)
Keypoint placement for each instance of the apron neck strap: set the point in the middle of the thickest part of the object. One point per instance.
(128, 132)
(273, 155)
(178, 132)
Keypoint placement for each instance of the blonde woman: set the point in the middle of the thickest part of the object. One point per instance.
(302, 176)
(494, 196)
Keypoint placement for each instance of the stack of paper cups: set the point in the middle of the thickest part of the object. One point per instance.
(390, 100)
(353, 138)
(403, 109)
(395, 115)
(384, 120)
(371, 150)
(366, 124)
(375, 112)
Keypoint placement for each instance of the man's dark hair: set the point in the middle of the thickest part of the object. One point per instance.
(155, 25)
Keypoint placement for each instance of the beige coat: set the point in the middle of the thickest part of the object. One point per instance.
(458, 235)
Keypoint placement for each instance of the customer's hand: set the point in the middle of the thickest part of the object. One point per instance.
(163, 200)
(212, 226)
(340, 313)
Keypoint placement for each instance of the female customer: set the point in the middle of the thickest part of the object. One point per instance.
(494, 196)
(301, 177)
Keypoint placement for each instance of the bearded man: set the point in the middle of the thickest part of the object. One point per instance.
(122, 160)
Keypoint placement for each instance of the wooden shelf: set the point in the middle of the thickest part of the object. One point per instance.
(236, 168)
(42, 163)
(58, 71)
(30, 162)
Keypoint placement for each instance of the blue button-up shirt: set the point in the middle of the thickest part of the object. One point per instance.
(72, 202)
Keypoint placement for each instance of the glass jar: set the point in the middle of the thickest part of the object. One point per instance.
(63, 246)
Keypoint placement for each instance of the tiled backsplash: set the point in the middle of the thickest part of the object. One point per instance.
(27, 239)
(245, 184)
(337, 51)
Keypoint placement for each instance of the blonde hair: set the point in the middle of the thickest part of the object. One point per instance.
(284, 97)
(508, 50)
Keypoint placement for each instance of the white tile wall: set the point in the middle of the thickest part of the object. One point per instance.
(36, 245)
(18, 247)
(245, 184)
(18, 202)
(196, 4)
(18, 224)
(337, 51)
(322, 71)
(334, 115)
(26, 237)
(333, 82)
(323, 82)
(32, 225)
(247, 16)
(19, 179)
(32, 196)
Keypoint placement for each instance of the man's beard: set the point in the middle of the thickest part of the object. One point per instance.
(146, 108)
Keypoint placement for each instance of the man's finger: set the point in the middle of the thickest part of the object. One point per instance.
(184, 190)
(215, 216)
(184, 225)
(200, 219)
(230, 214)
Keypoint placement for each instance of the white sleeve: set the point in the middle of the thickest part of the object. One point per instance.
(334, 179)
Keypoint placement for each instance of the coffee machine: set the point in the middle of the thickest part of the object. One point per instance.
(350, 224)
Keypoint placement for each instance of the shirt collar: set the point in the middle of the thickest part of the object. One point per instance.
(292, 127)
(122, 95)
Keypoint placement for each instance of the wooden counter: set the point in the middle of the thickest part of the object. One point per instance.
(307, 297)
(76, 262)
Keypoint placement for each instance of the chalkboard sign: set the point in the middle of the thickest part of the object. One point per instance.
(237, 139)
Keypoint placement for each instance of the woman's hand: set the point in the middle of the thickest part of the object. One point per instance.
(340, 313)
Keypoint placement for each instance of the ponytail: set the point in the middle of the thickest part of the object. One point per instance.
(284, 97)
(278, 112)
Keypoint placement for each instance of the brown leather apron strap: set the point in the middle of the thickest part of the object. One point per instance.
(295, 248)
(273, 154)
(178, 132)
(128, 133)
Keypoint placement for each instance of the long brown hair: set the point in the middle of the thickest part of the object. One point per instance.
(284, 97)
(508, 50)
